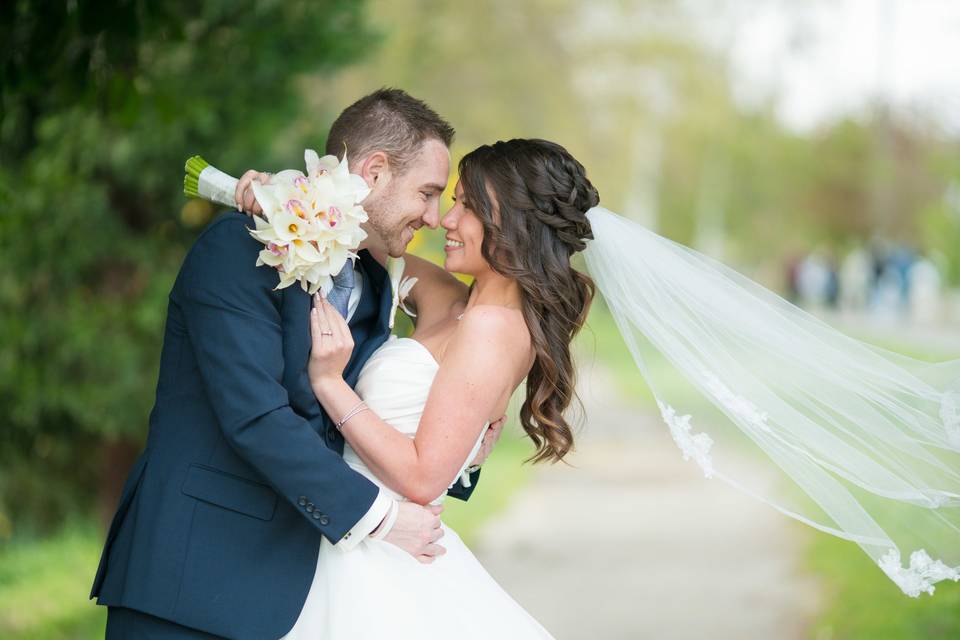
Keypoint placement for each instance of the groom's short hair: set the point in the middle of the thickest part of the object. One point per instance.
(388, 120)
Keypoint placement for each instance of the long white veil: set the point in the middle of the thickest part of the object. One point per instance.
(866, 441)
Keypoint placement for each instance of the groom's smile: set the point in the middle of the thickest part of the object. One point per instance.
(409, 198)
(409, 231)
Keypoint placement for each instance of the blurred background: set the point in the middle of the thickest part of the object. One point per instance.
(813, 146)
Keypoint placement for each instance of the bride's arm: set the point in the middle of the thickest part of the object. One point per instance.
(484, 362)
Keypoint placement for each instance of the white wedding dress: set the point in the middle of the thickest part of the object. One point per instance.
(376, 590)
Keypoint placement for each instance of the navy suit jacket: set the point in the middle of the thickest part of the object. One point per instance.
(213, 530)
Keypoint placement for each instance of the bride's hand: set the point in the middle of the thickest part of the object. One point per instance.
(332, 343)
(243, 195)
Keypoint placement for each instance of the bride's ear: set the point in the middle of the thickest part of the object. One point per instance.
(375, 169)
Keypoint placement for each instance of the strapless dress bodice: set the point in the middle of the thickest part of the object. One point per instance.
(395, 383)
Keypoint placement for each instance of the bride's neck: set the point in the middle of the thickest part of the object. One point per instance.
(495, 289)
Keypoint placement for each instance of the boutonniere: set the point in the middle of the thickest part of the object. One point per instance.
(400, 286)
(311, 222)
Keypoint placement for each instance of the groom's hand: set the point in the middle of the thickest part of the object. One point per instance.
(489, 440)
(243, 195)
(417, 530)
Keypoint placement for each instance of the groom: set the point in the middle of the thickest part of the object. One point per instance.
(221, 517)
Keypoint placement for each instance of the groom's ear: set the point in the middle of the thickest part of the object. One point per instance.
(375, 168)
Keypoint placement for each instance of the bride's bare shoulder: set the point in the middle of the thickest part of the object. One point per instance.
(495, 324)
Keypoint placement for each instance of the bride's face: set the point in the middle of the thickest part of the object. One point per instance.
(464, 238)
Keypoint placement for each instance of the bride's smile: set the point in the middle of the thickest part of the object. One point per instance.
(464, 238)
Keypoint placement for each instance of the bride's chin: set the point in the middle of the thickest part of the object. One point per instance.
(450, 266)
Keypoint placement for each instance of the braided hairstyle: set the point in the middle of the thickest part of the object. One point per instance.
(532, 197)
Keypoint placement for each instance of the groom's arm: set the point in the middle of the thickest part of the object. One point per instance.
(233, 320)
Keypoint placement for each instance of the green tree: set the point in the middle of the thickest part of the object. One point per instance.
(101, 104)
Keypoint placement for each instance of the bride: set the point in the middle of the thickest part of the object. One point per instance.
(422, 403)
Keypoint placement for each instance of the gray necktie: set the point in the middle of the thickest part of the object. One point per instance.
(343, 284)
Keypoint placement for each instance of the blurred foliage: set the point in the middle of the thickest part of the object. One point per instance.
(101, 104)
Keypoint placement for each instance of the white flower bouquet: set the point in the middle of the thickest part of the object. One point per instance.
(311, 222)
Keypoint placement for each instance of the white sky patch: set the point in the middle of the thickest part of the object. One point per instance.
(820, 60)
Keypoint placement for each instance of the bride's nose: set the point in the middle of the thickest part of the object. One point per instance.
(449, 221)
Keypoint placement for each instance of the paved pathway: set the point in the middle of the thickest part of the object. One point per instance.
(633, 542)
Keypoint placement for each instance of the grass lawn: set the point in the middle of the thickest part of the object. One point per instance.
(862, 604)
(44, 586)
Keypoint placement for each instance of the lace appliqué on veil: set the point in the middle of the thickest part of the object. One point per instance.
(697, 446)
(921, 575)
(738, 405)
(950, 414)
(692, 445)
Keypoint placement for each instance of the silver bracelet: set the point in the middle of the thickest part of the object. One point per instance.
(360, 406)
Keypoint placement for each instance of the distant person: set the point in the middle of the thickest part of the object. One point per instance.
(814, 280)
(925, 285)
(855, 278)
(792, 272)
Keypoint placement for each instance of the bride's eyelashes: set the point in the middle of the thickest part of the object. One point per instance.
(463, 202)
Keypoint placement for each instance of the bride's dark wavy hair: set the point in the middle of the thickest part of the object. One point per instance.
(532, 197)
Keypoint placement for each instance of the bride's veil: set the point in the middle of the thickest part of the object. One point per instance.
(859, 442)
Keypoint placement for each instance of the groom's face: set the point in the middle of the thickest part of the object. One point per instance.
(400, 204)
